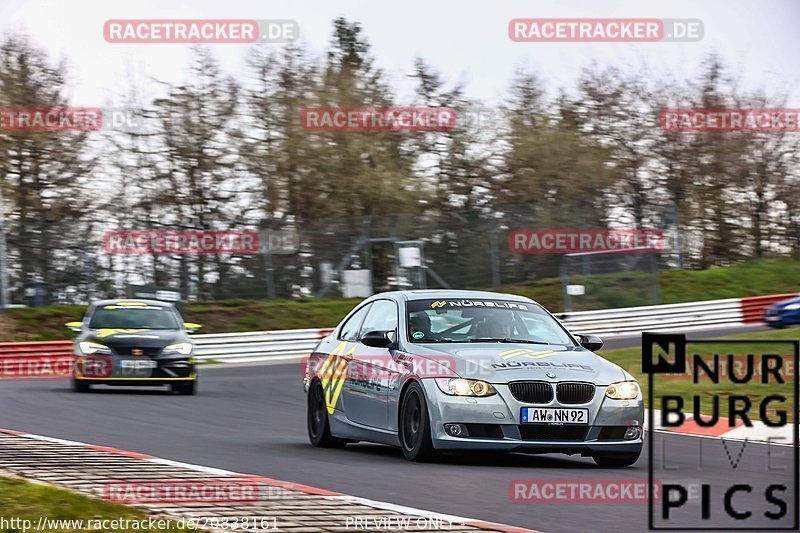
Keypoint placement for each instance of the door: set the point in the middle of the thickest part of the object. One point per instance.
(366, 392)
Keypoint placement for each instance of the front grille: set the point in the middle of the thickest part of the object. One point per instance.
(574, 393)
(612, 433)
(492, 431)
(146, 352)
(537, 432)
(531, 391)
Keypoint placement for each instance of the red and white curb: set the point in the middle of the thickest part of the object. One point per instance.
(88, 469)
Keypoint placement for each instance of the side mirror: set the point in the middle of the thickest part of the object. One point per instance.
(191, 327)
(75, 326)
(591, 342)
(378, 339)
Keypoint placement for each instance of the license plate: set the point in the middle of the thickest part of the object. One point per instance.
(537, 415)
(138, 365)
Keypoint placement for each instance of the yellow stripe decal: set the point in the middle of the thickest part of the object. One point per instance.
(335, 387)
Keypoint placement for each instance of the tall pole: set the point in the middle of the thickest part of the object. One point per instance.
(3, 257)
(270, 279)
(494, 252)
(677, 221)
(89, 263)
(564, 283)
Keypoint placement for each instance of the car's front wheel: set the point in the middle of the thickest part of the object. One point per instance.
(186, 388)
(415, 426)
(319, 429)
(616, 459)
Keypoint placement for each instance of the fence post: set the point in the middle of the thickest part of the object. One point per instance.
(564, 283)
(656, 279)
(494, 252)
(3, 267)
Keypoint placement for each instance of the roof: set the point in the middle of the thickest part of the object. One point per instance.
(425, 294)
(116, 301)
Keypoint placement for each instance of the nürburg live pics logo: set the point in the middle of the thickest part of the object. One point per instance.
(738, 467)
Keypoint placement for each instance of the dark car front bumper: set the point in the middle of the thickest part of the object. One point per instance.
(112, 370)
(781, 317)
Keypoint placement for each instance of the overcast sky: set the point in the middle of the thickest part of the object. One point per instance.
(466, 40)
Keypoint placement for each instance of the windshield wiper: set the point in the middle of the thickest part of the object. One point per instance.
(509, 340)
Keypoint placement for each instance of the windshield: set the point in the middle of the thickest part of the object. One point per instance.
(140, 317)
(458, 320)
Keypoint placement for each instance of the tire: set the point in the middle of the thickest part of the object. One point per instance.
(616, 459)
(79, 386)
(319, 428)
(415, 426)
(185, 388)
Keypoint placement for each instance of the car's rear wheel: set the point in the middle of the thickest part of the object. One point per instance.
(319, 429)
(616, 459)
(79, 385)
(186, 388)
(415, 426)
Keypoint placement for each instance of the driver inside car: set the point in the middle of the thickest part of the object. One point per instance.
(495, 326)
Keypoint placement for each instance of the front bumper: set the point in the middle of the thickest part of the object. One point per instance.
(780, 317)
(494, 424)
(109, 370)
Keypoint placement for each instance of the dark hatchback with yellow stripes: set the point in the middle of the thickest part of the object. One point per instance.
(134, 343)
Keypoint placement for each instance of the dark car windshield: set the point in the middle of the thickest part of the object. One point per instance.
(133, 317)
(468, 320)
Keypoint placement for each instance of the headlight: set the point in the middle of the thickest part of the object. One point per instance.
(792, 307)
(623, 390)
(93, 347)
(464, 387)
(183, 348)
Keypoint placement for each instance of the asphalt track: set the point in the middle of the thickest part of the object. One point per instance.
(251, 419)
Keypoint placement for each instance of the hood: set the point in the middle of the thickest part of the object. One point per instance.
(139, 338)
(503, 363)
(784, 303)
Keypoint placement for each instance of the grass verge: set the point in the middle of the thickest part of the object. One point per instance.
(23, 500)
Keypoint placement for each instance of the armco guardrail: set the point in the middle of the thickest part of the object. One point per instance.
(295, 343)
(36, 359)
(258, 345)
(631, 320)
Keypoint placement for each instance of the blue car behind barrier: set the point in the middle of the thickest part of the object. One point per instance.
(783, 313)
